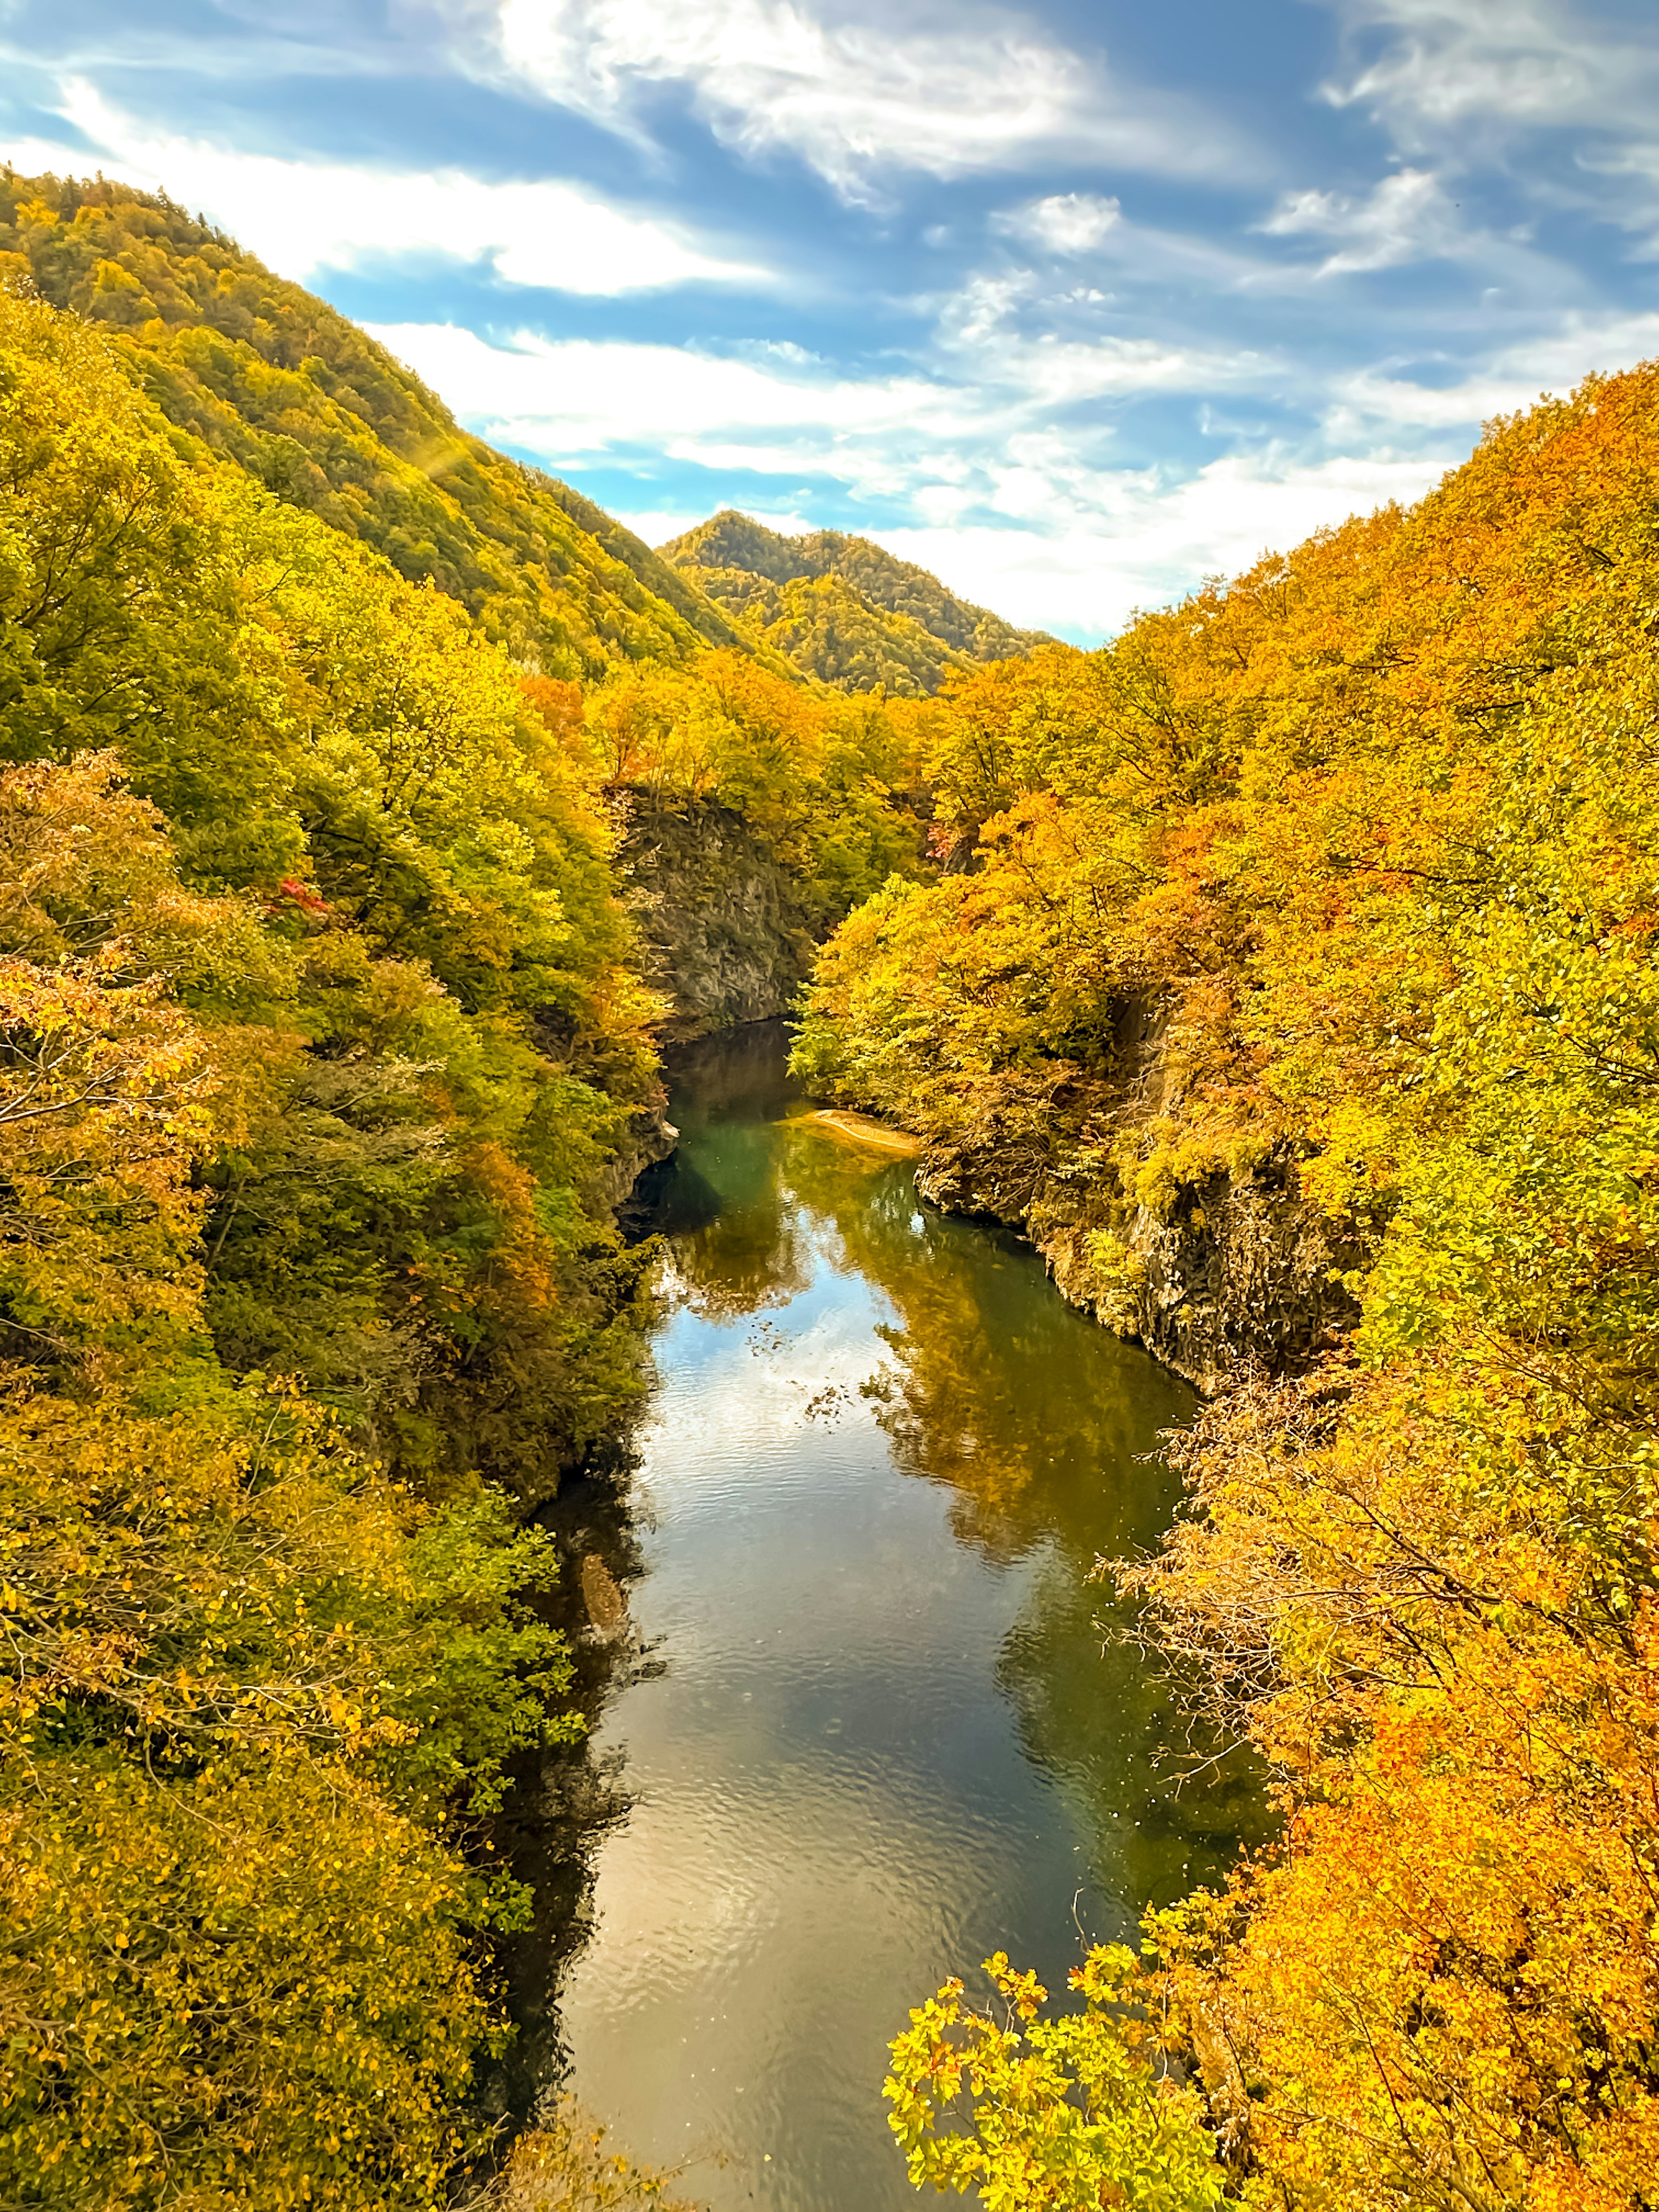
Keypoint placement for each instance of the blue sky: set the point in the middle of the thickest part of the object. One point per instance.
(1074, 303)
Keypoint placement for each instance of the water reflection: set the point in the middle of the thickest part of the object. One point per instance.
(886, 1738)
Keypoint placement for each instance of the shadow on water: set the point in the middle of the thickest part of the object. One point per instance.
(869, 1718)
(564, 1799)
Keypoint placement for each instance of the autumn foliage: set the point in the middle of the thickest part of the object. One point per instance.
(318, 1042)
(1375, 830)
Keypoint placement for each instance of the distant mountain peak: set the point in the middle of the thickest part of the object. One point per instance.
(887, 621)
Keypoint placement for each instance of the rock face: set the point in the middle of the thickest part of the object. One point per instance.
(651, 1137)
(726, 938)
(1233, 1272)
(1241, 1275)
(1229, 1272)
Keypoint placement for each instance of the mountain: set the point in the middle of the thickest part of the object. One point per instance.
(842, 609)
(267, 374)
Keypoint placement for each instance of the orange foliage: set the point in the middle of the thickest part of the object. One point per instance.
(1373, 833)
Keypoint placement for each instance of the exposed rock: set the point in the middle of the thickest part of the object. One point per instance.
(607, 1608)
(726, 937)
(1242, 1274)
(1235, 1271)
(651, 1137)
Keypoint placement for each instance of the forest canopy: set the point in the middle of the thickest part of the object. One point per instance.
(839, 609)
(319, 1043)
(1367, 840)
(1321, 907)
(255, 369)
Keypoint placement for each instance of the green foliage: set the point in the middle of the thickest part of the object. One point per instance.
(839, 609)
(252, 368)
(318, 1043)
(825, 782)
(383, 896)
(824, 627)
(246, 1677)
(245, 1985)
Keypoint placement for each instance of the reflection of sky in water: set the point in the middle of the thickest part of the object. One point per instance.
(882, 1747)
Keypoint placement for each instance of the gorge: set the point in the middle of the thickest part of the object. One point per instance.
(877, 1722)
(1270, 990)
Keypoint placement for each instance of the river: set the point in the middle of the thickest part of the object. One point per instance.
(876, 1726)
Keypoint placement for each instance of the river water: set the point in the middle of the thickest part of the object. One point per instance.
(880, 1728)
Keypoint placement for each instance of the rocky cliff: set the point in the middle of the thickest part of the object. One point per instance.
(725, 938)
(1222, 1271)
(650, 1138)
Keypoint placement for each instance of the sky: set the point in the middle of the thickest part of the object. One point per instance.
(1074, 303)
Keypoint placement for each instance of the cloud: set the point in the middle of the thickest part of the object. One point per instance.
(302, 217)
(1016, 514)
(586, 396)
(981, 330)
(1555, 99)
(1516, 62)
(1408, 218)
(1015, 505)
(855, 96)
(1065, 222)
(1513, 379)
(777, 412)
(1135, 538)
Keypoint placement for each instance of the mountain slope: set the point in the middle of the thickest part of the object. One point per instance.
(1309, 963)
(266, 373)
(842, 609)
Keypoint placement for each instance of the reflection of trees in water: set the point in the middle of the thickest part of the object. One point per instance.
(933, 1400)
(1032, 1416)
(1035, 1424)
(753, 1257)
(737, 1245)
(736, 1075)
(1045, 1430)
(566, 1798)
(1164, 1798)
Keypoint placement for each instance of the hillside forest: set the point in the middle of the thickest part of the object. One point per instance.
(840, 609)
(1283, 971)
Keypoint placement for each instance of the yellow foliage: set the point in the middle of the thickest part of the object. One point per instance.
(1369, 837)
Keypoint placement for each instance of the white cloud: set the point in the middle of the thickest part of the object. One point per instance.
(981, 329)
(854, 96)
(1553, 361)
(892, 436)
(576, 395)
(1065, 222)
(1516, 62)
(1015, 510)
(1408, 218)
(1079, 543)
(302, 217)
(1132, 538)
(1560, 97)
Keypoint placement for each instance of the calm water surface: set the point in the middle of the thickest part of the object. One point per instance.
(878, 1736)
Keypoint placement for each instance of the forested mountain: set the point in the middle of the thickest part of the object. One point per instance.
(1289, 978)
(319, 1054)
(271, 376)
(839, 609)
(1308, 932)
